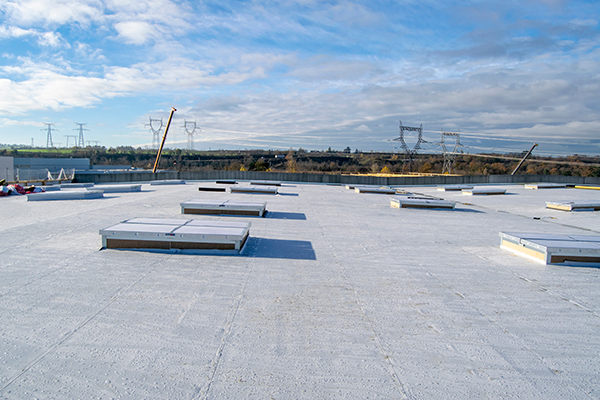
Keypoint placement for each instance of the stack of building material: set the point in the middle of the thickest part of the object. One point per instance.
(454, 188)
(372, 189)
(169, 182)
(167, 234)
(118, 188)
(545, 185)
(574, 205)
(483, 192)
(253, 189)
(409, 202)
(266, 183)
(66, 195)
(553, 249)
(223, 207)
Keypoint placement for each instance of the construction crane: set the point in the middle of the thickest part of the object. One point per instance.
(524, 158)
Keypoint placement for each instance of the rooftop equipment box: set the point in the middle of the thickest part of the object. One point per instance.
(553, 249)
(226, 207)
(168, 234)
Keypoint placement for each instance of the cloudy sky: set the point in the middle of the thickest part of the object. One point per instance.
(307, 73)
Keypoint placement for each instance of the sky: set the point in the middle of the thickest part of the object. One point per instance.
(303, 74)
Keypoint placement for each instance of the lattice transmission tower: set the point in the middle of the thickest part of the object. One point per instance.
(190, 133)
(48, 129)
(81, 142)
(408, 152)
(70, 136)
(155, 131)
(449, 156)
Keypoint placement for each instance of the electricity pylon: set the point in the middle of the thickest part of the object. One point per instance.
(155, 131)
(190, 133)
(81, 142)
(408, 152)
(49, 126)
(449, 156)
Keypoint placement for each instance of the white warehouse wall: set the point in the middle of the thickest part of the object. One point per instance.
(7, 170)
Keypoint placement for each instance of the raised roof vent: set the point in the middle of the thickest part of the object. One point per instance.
(223, 207)
(167, 234)
(574, 205)
(553, 249)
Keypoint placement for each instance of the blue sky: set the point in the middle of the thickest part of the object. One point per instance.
(310, 74)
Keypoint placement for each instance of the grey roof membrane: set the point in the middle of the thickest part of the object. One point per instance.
(335, 295)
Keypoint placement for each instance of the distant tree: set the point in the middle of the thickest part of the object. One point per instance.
(260, 165)
(292, 166)
(426, 168)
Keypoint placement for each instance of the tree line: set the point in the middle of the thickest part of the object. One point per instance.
(342, 162)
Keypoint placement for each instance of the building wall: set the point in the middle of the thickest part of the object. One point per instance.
(6, 168)
(52, 164)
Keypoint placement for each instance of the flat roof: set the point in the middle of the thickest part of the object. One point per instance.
(335, 295)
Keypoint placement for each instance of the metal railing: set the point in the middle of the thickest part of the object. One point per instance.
(44, 174)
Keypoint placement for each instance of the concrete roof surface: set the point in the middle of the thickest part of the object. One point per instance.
(335, 295)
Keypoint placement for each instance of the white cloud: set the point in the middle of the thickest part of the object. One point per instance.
(44, 39)
(51, 12)
(362, 128)
(135, 32)
(51, 39)
(86, 51)
(6, 122)
(136, 22)
(59, 87)
(349, 13)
